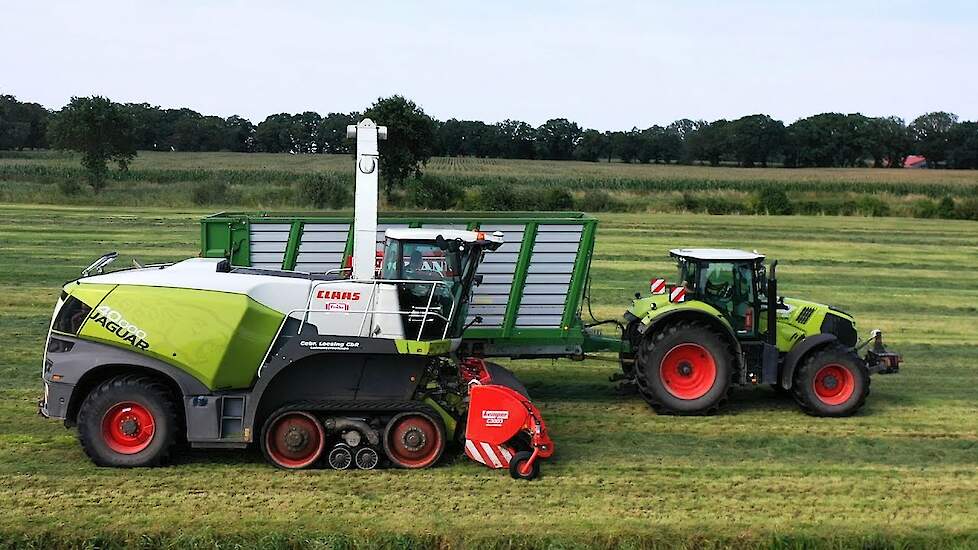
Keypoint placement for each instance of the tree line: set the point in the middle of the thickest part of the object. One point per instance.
(822, 140)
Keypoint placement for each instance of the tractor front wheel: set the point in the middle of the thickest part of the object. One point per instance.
(685, 368)
(832, 381)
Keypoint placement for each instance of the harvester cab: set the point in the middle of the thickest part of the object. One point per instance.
(723, 323)
(353, 367)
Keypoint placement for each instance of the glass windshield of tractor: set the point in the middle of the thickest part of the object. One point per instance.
(727, 286)
(427, 263)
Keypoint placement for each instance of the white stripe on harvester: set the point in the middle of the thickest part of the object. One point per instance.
(491, 455)
(473, 452)
(506, 454)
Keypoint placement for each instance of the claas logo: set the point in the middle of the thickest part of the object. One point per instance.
(337, 295)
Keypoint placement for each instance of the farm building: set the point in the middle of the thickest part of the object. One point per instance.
(915, 161)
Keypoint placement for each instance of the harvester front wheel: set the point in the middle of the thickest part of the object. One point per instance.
(685, 368)
(832, 381)
(128, 421)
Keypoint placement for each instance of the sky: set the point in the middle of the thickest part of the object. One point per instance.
(605, 65)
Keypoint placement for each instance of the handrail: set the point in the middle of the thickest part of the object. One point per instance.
(425, 312)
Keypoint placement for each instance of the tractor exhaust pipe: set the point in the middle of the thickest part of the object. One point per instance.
(365, 199)
(772, 304)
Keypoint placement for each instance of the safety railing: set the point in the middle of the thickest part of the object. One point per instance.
(425, 313)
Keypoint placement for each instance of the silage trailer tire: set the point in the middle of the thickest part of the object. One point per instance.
(832, 381)
(685, 368)
(128, 421)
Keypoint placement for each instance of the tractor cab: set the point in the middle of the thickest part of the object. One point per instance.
(732, 281)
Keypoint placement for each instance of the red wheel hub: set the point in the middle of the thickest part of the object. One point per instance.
(295, 440)
(688, 371)
(834, 384)
(414, 441)
(128, 427)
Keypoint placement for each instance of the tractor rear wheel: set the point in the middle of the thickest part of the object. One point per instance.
(128, 421)
(832, 381)
(685, 368)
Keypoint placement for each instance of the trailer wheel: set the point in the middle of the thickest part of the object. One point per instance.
(414, 440)
(128, 421)
(518, 468)
(685, 368)
(293, 439)
(832, 381)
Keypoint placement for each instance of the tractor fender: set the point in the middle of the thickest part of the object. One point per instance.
(798, 352)
(689, 314)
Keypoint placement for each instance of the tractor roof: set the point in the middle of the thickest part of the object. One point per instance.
(425, 234)
(718, 254)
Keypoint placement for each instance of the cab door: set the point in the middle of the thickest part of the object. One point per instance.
(729, 287)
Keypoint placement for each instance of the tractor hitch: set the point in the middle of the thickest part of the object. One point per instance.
(878, 359)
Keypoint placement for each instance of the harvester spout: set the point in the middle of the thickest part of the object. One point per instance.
(365, 202)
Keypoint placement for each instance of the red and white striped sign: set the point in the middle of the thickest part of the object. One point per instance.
(657, 286)
(493, 456)
(678, 294)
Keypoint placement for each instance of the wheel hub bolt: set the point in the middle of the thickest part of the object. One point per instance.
(413, 439)
(295, 439)
(685, 369)
(129, 427)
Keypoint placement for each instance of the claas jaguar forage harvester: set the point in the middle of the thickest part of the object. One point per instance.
(352, 367)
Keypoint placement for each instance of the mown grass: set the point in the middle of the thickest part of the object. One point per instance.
(903, 473)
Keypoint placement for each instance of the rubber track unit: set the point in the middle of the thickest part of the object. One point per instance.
(124, 382)
(808, 364)
(646, 348)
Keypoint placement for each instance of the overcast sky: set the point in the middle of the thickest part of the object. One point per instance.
(602, 64)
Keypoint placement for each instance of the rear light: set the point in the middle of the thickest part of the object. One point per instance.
(749, 320)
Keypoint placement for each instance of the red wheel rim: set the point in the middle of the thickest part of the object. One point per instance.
(295, 440)
(414, 441)
(128, 427)
(834, 384)
(688, 371)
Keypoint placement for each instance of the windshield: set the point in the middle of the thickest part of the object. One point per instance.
(430, 265)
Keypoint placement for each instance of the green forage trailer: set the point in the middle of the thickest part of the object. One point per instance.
(528, 301)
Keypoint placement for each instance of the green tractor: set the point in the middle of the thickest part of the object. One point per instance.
(724, 324)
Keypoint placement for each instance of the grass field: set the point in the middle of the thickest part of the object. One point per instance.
(902, 473)
(261, 180)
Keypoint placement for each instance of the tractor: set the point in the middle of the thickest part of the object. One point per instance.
(723, 324)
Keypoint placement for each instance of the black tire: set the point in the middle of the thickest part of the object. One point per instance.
(152, 396)
(655, 348)
(516, 465)
(807, 382)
